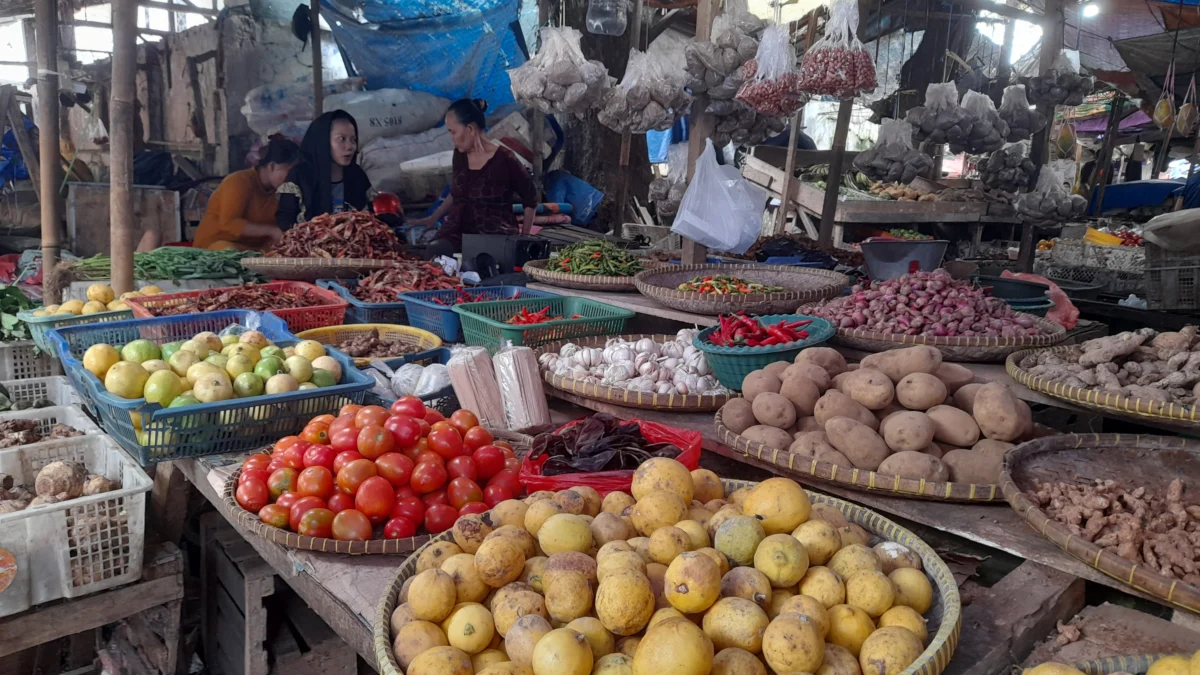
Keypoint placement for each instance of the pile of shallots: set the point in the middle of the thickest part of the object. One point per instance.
(926, 303)
(672, 367)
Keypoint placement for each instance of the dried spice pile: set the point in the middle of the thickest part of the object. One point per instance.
(24, 432)
(351, 234)
(1161, 532)
(370, 345)
(598, 443)
(387, 284)
(250, 296)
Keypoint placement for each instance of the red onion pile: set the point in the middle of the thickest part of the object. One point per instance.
(926, 303)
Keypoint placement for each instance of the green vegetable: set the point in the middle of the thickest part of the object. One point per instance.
(173, 263)
(13, 300)
(596, 257)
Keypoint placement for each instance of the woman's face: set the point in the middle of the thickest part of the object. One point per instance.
(275, 174)
(464, 136)
(343, 142)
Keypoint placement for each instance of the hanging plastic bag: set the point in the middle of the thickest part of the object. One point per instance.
(1051, 202)
(1008, 169)
(720, 209)
(667, 191)
(1185, 119)
(735, 122)
(558, 79)
(606, 17)
(1062, 84)
(941, 119)
(648, 97)
(1023, 121)
(838, 64)
(714, 66)
(892, 159)
(1065, 140)
(1164, 110)
(988, 132)
(772, 84)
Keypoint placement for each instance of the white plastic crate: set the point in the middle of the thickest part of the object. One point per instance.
(48, 417)
(22, 360)
(57, 390)
(79, 546)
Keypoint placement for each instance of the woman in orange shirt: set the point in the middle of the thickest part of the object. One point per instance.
(241, 213)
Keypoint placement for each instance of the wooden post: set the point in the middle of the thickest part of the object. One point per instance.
(829, 206)
(702, 125)
(635, 42)
(46, 19)
(535, 117)
(1004, 70)
(1039, 151)
(120, 135)
(314, 11)
(1100, 173)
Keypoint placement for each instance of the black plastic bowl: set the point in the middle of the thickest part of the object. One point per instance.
(1012, 289)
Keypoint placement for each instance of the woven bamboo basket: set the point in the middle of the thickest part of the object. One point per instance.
(1134, 461)
(539, 270)
(1134, 664)
(1131, 408)
(520, 442)
(311, 269)
(802, 285)
(419, 340)
(621, 395)
(944, 616)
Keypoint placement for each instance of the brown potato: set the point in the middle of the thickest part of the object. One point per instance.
(933, 450)
(828, 513)
(810, 446)
(774, 410)
(998, 412)
(858, 442)
(954, 376)
(811, 372)
(909, 464)
(953, 426)
(738, 415)
(964, 398)
(760, 382)
(897, 363)
(802, 393)
(776, 368)
(981, 467)
(806, 424)
(836, 404)
(768, 436)
(826, 358)
(887, 410)
(869, 387)
(920, 391)
(909, 430)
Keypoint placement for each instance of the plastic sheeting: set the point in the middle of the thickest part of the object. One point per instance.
(450, 48)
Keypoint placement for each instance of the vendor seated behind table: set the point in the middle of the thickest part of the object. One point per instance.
(488, 179)
(329, 179)
(241, 213)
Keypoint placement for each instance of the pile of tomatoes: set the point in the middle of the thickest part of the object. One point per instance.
(371, 472)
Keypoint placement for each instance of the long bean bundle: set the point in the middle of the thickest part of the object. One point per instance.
(171, 262)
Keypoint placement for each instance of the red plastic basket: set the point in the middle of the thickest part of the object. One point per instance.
(330, 309)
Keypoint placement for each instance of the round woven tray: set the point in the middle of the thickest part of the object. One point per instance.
(1132, 461)
(1135, 409)
(1135, 664)
(420, 340)
(620, 395)
(945, 614)
(520, 442)
(538, 269)
(311, 269)
(803, 285)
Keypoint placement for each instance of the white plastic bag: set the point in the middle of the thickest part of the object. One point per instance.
(772, 84)
(1051, 201)
(1062, 84)
(434, 378)
(385, 113)
(648, 97)
(720, 209)
(558, 79)
(405, 379)
(941, 119)
(1023, 121)
(989, 130)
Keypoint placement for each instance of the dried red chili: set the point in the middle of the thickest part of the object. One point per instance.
(387, 284)
(250, 296)
(350, 234)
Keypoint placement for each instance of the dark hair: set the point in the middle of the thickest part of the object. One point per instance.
(280, 151)
(470, 111)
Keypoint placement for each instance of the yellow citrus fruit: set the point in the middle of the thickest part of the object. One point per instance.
(310, 349)
(72, 306)
(162, 387)
(99, 358)
(126, 379)
(150, 290)
(101, 293)
(94, 307)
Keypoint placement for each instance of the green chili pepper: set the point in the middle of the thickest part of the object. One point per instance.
(596, 257)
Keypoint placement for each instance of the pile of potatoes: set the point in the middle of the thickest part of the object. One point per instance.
(901, 412)
(673, 578)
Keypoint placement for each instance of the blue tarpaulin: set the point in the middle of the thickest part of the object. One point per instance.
(451, 48)
(12, 165)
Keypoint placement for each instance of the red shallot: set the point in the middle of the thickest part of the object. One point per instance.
(838, 65)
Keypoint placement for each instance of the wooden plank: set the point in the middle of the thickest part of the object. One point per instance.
(231, 632)
(1113, 630)
(169, 498)
(88, 215)
(829, 204)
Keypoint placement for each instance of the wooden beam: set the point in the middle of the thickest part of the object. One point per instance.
(178, 8)
(829, 207)
(120, 134)
(111, 26)
(1004, 70)
(702, 124)
(314, 10)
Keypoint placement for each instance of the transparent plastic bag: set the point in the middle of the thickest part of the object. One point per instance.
(558, 79)
(1062, 84)
(1185, 119)
(667, 191)
(941, 119)
(838, 64)
(434, 378)
(520, 380)
(989, 131)
(648, 97)
(474, 380)
(892, 159)
(606, 17)
(720, 209)
(1051, 202)
(404, 380)
(1008, 169)
(1023, 120)
(772, 84)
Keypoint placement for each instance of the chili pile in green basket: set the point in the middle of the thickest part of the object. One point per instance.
(528, 318)
(739, 330)
(596, 257)
(723, 284)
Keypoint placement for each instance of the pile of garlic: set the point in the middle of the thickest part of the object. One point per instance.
(673, 367)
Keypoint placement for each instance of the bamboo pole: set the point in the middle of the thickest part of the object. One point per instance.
(314, 10)
(46, 20)
(635, 42)
(1052, 41)
(702, 125)
(836, 162)
(790, 165)
(121, 111)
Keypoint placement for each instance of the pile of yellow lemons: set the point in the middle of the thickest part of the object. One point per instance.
(100, 298)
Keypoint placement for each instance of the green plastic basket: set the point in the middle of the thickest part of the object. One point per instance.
(40, 326)
(731, 365)
(483, 323)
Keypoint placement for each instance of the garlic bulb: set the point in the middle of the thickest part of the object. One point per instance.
(672, 350)
(664, 375)
(648, 368)
(646, 346)
(707, 384)
(664, 388)
(599, 370)
(670, 363)
(579, 372)
(702, 367)
(693, 360)
(618, 372)
(685, 335)
(563, 368)
(642, 384)
(618, 354)
(643, 358)
(568, 350)
(589, 357)
(548, 360)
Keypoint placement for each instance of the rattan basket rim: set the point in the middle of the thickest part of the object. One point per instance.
(1135, 664)
(1055, 335)
(540, 270)
(932, 661)
(407, 334)
(316, 262)
(1172, 591)
(645, 283)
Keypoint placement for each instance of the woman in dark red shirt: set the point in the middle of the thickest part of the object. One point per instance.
(488, 180)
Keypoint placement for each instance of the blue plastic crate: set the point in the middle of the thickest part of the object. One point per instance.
(237, 425)
(424, 312)
(366, 312)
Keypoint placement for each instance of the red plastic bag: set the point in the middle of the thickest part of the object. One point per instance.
(605, 482)
(1064, 312)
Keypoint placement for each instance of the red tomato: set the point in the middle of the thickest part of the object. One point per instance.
(340, 501)
(405, 430)
(375, 498)
(395, 467)
(502, 444)
(410, 508)
(316, 432)
(341, 424)
(258, 460)
(300, 507)
(411, 406)
(322, 419)
(254, 474)
(349, 409)
(473, 507)
(432, 416)
(440, 424)
(281, 481)
(476, 437)
(440, 517)
(427, 477)
(276, 464)
(399, 528)
(494, 494)
(424, 427)
(435, 497)
(319, 455)
(351, 525)
(430, 456)
(489, 460)
(461, 466)
(506, 449)
(344, 440)
(512, 464)
(462, 490)
(446, 442)
(274, 515)
(316, 522)
(371, 414)
(315, 481)
(286, 442)
(293, 457)
(374, 440)
(353, 474)
(253, 495)
(287, 499)
(508, 479)
(464, 420)
(345, 457)
(405, 491)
